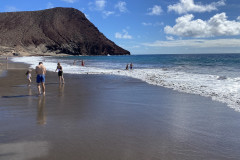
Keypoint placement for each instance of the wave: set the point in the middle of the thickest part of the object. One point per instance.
(219, 88)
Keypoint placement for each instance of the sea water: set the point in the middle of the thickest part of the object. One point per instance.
(210, 75)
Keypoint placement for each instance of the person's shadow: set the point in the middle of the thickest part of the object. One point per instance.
(41, 116)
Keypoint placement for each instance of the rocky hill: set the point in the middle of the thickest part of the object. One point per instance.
(57, 30)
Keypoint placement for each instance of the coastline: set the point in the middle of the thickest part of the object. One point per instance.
(110, 117)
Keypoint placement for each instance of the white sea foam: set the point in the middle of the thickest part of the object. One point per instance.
(219, 88)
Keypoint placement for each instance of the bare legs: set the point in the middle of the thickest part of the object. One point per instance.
(29, 81)
(43, 88)
(61, 79)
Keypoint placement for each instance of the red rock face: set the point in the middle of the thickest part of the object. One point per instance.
(60, 30)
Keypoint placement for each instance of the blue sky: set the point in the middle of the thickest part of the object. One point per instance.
(156, 26)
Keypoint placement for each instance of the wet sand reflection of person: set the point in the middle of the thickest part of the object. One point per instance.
(41, 117)
(30, 98)
(7, 64)
(61, 90)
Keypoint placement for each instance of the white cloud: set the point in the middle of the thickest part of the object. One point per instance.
(169, 38)
(217, 25)
(121, 6)
(87, 16)
(97, 5)
(136, 46)
(238, 18)
(147, 24)
(123, 35)
(50, 5)
(69, 1)
(153, 24)
(197, 43)
(100, 4)
(107, 13)
(10, 9)
(156, 10)
(186, 6)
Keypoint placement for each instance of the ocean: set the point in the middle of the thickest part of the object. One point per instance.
(211, 75)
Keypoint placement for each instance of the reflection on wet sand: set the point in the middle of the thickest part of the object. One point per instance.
(61, 90)
(29, 91)
(24, 150)
(30, 100)
(41, 117)
(3, 68)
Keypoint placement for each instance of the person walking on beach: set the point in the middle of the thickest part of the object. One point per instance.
(60, 73)
(29, 76)
(41, 71)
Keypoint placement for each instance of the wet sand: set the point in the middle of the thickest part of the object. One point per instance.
(103, 117)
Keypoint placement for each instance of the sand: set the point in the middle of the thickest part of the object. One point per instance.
(103, 117)
(27, 51)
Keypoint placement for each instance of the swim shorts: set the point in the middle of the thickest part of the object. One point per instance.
(60, 73)
(40, 78)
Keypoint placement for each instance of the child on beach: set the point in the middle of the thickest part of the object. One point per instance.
(29, 75)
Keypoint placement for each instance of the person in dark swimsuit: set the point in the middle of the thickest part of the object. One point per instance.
(131, 66)
(82, 63)
(60, 73)
(127, 67)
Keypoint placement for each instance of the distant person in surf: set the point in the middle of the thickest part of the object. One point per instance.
(82, 63)
(60, 73)
(74, 62)
(131, 66)
(127, 67)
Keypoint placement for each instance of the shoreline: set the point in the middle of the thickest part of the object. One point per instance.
(207, 85)
(107, 117)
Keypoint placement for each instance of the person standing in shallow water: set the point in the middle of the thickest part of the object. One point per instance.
(131, 66)
(82, 63)
(126, 67)
(41, 72)
(74, 62)
(60, 73)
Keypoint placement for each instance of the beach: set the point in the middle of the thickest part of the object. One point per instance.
(110, 117)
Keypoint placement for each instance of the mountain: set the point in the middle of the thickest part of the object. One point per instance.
(57, 30)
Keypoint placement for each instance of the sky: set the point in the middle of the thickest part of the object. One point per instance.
(156, 26)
